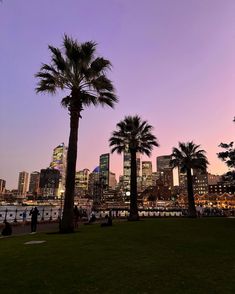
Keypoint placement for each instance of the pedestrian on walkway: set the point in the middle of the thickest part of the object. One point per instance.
(34, 219)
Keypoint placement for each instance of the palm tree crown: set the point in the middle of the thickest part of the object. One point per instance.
(133, 134)
(189, 157)
(75, 68)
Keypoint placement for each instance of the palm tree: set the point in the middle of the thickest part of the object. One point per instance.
(133, 135)
(189, 157)
(77, 71)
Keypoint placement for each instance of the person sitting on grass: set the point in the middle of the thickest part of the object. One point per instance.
(7, 230)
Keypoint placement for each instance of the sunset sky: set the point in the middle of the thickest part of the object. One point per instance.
(173, 64)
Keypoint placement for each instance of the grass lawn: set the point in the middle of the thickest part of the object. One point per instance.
(149, 256)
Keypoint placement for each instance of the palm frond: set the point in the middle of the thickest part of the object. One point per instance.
(134, 133)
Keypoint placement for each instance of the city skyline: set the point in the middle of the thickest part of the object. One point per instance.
(178, 77)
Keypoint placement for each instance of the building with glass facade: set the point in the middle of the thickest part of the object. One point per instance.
(59, 162)
(23, 183)
(104, 169)
(34, 182)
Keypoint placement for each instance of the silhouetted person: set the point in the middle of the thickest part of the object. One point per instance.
(24, 215)
(34, 219)
(76, 216)
(7, 230)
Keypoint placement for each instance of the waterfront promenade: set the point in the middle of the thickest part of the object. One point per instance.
(20, 229)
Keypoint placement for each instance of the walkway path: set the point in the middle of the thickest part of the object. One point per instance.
(21, 229)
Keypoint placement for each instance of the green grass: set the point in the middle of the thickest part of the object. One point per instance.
(150, 256)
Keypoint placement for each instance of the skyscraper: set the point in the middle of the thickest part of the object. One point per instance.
(127, 171)
(146, 174)
(200, 182)
(163, 162)
(34, 182)
(81, 182)
(59, 162)
(2, 186)
(165, 170)
(104, 169)
(49, 182)
(23, 183)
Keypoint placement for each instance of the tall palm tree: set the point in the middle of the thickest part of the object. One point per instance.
(188, 157)
(77, 71)
(134, 136)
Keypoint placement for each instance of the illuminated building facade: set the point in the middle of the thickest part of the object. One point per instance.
(127, 171)
(2, 186)
(112, 180)
(81, 182)
(94, 185)
(104, 169)
(49, 182)
(59, 162)
(165, 171)
(23, 183)
(147, 172)
(200, 182)
(34, 182)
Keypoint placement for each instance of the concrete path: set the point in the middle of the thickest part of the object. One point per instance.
(21, 229)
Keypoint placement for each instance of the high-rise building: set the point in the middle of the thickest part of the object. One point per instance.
(23, 183)
(34, 182)
(163, 162)
(165, 170)
(59, 162)
(200, 182)
(147, 172)
(49, 182)
(127, 171)
(112, 180)
(94, 185)
(104, 169)
(2, 186)
(81, 182)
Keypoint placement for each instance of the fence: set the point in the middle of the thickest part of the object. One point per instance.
(14, 214)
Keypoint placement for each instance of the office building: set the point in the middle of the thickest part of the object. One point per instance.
(147, 174)
(127, 171)
(34, 182)
(200, 182)
(59, 162)
(2, 186)
(165, 171)
(104, 169)
(49, 182)
(23, 183)
(81, 182)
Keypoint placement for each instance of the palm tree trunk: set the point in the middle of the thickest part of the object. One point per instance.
(67, 224)
(191, 203)
(133, 197)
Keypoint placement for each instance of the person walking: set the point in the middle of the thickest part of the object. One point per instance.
(34, 219)
(24, 216)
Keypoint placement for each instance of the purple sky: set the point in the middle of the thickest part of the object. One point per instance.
(173, 64)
